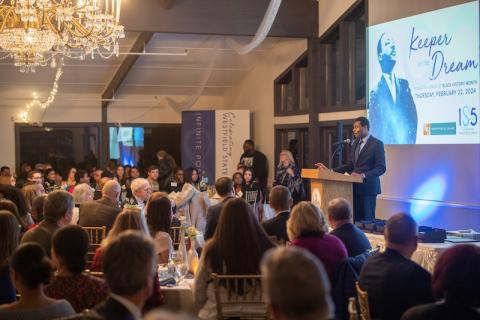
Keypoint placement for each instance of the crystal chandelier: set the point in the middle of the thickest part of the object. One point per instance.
(39, 32)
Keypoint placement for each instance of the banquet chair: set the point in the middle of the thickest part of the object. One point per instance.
(363, 303)
(227, 287)
(96, 235)
(96, 274)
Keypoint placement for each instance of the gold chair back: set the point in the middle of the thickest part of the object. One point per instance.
(252, 296)
(363, 303)
(96, 236)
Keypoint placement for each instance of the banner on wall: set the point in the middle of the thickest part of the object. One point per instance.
(212, 141)
(232, 128)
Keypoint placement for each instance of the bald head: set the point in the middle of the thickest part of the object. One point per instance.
(111, 190)
(280, 199)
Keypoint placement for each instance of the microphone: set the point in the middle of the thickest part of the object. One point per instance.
(341, 142)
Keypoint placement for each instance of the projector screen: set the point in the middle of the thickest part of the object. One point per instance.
(423, 78)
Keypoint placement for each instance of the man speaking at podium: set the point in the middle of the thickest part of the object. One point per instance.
(367, 160)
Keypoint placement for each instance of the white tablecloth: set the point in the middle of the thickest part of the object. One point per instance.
(180, 298)
(426, 254)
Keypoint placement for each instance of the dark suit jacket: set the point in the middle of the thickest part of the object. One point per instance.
(213, 215)
(111, 309)
(393, 122)
(353, 238)
(394, 284)
(442, 310)
(98, 213)
(277, 226)
(42, 234)
(371, 162)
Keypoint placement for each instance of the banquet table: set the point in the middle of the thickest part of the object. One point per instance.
(180, 297)
(426, 254)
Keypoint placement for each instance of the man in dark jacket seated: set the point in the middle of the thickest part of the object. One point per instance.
(395, 283)
(340, 218)
(281, 202)
(128, 266)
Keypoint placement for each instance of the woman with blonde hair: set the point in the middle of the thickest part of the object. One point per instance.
(307, 228)
(288, 175)
(129, 219)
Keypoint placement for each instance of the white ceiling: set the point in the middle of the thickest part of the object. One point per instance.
(151, 75)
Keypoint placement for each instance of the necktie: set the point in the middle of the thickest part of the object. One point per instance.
(357, 149)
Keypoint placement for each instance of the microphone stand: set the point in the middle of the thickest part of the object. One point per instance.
(339, 148)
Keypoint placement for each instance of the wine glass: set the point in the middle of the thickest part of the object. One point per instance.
(181, 267)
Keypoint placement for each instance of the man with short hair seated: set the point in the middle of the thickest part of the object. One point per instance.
(225, 189)
(294, 295)
(281, 202)
(340, 218)
(101, 212)
(395, 283)
(58, 211)
(129, 264)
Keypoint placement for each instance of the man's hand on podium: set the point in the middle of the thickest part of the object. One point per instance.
(359, 175)
(321, 166)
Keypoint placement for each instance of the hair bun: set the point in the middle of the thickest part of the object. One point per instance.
(38, 273)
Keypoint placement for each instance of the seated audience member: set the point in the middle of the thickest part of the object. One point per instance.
(9, 206)
(71, 179)
(15, 195)
(224, 187)
(37, 208)
(128, 219)
(281, 202)
(97, 194)
(8, 180)
(152, 178)
(456, 285)
(395, 283)
(102, 212)
(340, 218)
(81, 193)
(5, 171)
(49, 182)
(35, 176)
(129, 268)
(141, 192)
(176, 184)
(238, 183)
(30, 192)
(292, 294)
(69, 255)
(9, 237)
(58, 210)
(306, 228)
(83, 176)
(192, 204)
(236, 248)
(31, 271)
(192, 176)
(159, 220)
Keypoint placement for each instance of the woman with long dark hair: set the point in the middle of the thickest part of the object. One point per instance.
(31, 271)
(9, 238)
(159, 220)
(236, 248)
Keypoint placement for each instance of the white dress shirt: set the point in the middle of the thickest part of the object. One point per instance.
(390, 79)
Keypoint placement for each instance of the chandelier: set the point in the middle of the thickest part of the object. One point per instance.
(35, 33)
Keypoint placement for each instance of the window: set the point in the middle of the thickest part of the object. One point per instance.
(62, 145)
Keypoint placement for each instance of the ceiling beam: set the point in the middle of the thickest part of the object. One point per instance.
(114, 84)
(295, 18)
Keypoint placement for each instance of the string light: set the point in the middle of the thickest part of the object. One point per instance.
(26, 114)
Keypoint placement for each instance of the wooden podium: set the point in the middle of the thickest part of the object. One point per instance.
(327, 185)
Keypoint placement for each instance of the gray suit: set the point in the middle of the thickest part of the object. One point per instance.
(98, 213)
